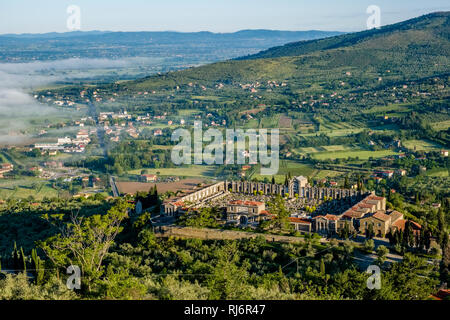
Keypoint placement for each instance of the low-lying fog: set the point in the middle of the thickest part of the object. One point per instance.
(18, 80)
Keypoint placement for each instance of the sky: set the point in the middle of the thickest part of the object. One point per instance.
(31, 16)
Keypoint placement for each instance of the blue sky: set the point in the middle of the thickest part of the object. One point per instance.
(32, 16)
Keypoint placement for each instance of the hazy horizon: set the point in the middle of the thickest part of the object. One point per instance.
(163, 31)
(31, 17)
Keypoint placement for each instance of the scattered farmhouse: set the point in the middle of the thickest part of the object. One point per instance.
(5, 168)
(149, 178)
(66, 144)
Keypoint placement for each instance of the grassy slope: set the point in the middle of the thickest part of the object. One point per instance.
(428, 31)
(416, 48)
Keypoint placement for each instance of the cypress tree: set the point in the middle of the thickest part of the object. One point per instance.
(322, 267)
(411, 237)
(16, 258)
(421, 242)
(441, 228)
(391, 238)
(38, 267)
(399, 236)
(444, 245)
(370, 233)
(346, 230)
(24, 261)
(417, 240)
(427, 240)
(346, 184)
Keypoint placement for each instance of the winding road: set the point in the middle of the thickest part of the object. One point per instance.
(115, 190)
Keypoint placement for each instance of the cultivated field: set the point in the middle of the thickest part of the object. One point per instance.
(422, 145)
(285, 122)
(191, 171)
(336, 148)
(24, 188)
(133, 187)
(324, 174)
(360, 154)
(439, 172)
(286, 167)
(441, 126)
(389, 109)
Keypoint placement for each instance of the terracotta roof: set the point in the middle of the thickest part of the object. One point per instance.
(415, 225)
(399, 224)
(331, 217)
(375, 198)
(299, 220)
(442, 294)
(381, 216)
(246, 203)
(372, 201)
(353, 214)
(395, 215)
(364, 205)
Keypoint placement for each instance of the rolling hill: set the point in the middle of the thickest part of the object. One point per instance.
(429, 33)
(412, 49)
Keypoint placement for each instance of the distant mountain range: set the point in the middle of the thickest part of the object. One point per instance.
(52, 35)
(310, 34)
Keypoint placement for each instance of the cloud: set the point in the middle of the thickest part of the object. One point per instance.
(17, 80)
(16, 109)
(16, 106)
(75, 64)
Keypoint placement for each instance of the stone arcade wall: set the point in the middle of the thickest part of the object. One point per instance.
(205, 193)
(201, 195)
(309, 193)
(245, 187)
